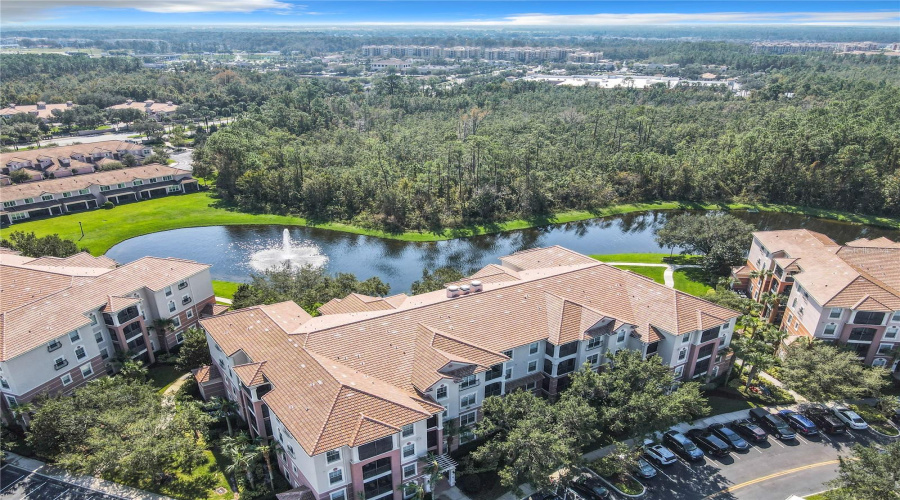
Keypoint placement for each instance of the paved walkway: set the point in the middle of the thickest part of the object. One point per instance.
(223, 300)
(668, 274)
(89, 482)
(174, 386)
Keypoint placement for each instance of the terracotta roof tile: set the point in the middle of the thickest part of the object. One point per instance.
(116, 304)
(76, 182)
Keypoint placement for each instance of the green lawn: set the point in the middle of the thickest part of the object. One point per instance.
(654, 273)
(692, 281)
(202, 482)
(647, 258)
(105, 228)
(162, 376)
(720, 405)
(224, 288)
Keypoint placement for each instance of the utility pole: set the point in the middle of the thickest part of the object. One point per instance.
(82, 229)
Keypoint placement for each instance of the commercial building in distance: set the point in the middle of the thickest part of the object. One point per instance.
(62, 320)
(359, 396)
(845, 294)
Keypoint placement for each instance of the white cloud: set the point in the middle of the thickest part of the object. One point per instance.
(31, 10)
(877, 17)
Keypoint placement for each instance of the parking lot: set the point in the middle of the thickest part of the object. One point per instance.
(771, 470)
(16, 484)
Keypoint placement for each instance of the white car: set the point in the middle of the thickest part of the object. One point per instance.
(850, 418)
(659, 453)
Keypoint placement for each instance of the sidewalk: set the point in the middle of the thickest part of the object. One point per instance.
(89, 482)
(668, 274)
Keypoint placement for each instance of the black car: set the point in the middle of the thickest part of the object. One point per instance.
(679, 443)
(589, 489)
(749, 430)
(772, 423)
(825, 420)
(709, 443)
(736, 442)
(799, 422)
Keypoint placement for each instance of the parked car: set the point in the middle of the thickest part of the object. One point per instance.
(825, 420)
(708, 442)
(658, 453)
(643, 469)
(589, 488)
(736, 442)
(544, 495)
(850, 417)
(773, 424)
(799, 422)
(749, 430)
(681, 444)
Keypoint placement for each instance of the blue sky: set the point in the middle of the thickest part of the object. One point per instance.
(445, 13)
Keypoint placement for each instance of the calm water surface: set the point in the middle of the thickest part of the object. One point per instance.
(229, 248)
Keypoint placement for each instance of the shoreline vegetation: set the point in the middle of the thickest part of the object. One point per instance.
(105, 228)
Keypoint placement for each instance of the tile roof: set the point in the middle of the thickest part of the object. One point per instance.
(115, 304)
(348, 378)
(54, 153)
(149, 105)
(357, 302)
(206, 373)
(840, 276)
(80, 259)
(46, 304)
(250, 374)
(45, 112)
(74, 183)
(544, 258)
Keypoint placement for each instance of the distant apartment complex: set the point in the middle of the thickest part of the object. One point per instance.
(845, 294)
(64, 161)
(806, 47)
(41, 110)
(359, 396)
(62, 321)
(152, 108)
(488, 53)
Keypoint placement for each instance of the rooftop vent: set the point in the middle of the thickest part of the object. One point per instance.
(476, 286)
(452, 291)
(41, 105)
(69, 104)
(129, 101)
(465, 289)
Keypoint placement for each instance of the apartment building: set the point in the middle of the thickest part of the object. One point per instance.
(153, 109)
(76, 159)
(51, 197)
(384, 64)
(61, 320)
(846, 294)
(41, 110)
(359, 396)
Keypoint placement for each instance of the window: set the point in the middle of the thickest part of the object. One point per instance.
(407, 430)
(290, 449)
(168, 291)
(60, 362)
(20, 216)
(332, 456)
(176, 322)
(530, 386)
(54, 345)
(93, 318)
(566, 366)
(550, 349)
(891, 333)
(896, 316)
(835, 312)
(442, 392)
(11, 400)
(790, 319)
(179, 337)
(686, 339)
(189, 313)
(682, 354)
(171, 306)
(74, 336)
(794, 303)
(467, 400)
(466, 435)
(173, 189)
(705, 351)
(3, 383)
(409, 470)
(829, 329)
(102, 188)
(885, 348)
(84, 191)
(98, 336)
(532, 366)
(593, 359)
(496, 371)
(87, 371)
(621, 337)
(29, 200)
(534, 346)
(508, 354)
(468, 381)
(104, 353)
(138, 182)
(80, 353)
(186, 299)
(679, 371)
(7, 204)
(409, 450)
(338, 495)
(709, 334)
(595, 342)
(167, 178)
(335, 476)
(869, 318)
(66, 379)
(374, 448)
(494, 389)
(467, 418)
(568, 349)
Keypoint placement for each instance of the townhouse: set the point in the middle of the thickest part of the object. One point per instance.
(64, 195)
(359, 396)
(155, 110)
(62, 320)
(76, 159)
(41, 110)
(846, 294)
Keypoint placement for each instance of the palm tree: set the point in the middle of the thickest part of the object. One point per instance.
(228, 443)
(20, 412)
(412, 489)
(162, 325)
(451, 430)
(224, 408)
(265, 448)
(134, 370)
(759, 360)
(775, 337)
(241, 461)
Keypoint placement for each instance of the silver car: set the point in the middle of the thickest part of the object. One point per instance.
(850, 417)
(659, 454)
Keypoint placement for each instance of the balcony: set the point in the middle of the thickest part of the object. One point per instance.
(52, 346)
(186, 301)
(182, 285)
(861, 335)
(60, 364)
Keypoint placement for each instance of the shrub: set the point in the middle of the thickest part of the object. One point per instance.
(470, 484)
(108, 205)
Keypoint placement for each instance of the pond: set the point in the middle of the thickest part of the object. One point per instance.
(230, 249)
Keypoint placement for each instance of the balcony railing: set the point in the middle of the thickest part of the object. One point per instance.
(60, 364)
(182, 285)
(52, 346)
(186, 300)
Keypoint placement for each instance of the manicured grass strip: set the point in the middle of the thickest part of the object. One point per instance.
(692, 281)
(719, 405)
(105, 228)
(654, 273)
(224, 288)
(162, 376)
(648, 258)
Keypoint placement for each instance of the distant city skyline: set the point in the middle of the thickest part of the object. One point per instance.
(445, 13)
